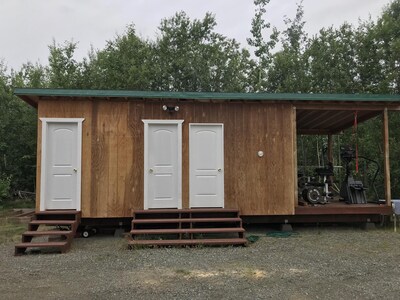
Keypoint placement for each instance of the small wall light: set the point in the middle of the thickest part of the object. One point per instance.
(170, 108)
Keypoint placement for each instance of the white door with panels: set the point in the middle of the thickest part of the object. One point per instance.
(61, 163)
(163, 164)
(206, 165)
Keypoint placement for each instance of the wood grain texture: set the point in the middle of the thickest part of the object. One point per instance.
(295, 172)
(38, 158)
(386, 162)
(113, 146)
(67, 109)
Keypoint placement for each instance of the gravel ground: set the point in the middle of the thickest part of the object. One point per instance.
(318, 263)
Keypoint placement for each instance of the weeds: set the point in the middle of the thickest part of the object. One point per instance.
(182, 272)
(11, 232)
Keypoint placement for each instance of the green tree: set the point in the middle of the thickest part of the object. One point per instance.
(30, 75)
(64, 71)
(191, 56)
(17, 138)
(388, 38)
(288, 70)
(263, 47)
(125, 63)
(331, 60)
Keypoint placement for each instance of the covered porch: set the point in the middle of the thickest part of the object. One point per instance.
(330, 118)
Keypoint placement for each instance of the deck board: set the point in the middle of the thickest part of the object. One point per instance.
(344, 209)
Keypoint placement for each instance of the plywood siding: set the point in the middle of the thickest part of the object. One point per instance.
(112, 170)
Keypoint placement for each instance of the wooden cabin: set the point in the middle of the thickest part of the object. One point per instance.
(107, 153)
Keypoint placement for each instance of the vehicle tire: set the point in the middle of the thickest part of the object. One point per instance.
(86, 233)
(313, 195)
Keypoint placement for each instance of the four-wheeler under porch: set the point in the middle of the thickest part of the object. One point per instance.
(319, 120)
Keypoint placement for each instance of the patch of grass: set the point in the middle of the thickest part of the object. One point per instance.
(182, 272)
(138, 247)
(18, 203)
(11, 232)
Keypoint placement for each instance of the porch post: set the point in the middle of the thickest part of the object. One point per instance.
(386, 161)
(330, 154)
(330, 148)
(295, 179)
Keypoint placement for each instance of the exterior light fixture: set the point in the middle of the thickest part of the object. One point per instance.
(170, 108)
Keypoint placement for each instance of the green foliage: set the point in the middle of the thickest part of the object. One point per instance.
(332, 61)
(263, 47)
(34, 76)
(17, 136)
(287, 72)
(191, 56)
(125, 63)
(387, 35)
(64, 71)
(5, 183)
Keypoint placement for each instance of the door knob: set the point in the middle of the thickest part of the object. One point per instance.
(151, 170)
(75, 170)
(219, 170)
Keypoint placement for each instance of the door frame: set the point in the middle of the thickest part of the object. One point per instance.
(43, 166)
(223, 160)
(146, 162)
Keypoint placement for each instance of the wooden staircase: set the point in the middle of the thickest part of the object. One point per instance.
(47, 226)
(184, 227)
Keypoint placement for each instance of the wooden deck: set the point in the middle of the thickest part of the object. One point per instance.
(341, 208)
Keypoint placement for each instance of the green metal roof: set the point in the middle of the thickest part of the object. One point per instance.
(28, 92)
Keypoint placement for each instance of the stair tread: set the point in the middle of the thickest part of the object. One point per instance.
(185, 220)
(58, 212)
(50, 218)
(188, 210)
(44, 244)
(233, 241)
(52, 222)
(47, 232)
(186, 230)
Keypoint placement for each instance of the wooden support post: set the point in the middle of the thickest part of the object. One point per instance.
(386, 161)
(330, 154)
(294, 132)
(330, 148)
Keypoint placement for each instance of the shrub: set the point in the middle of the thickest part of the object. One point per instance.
(5, 182)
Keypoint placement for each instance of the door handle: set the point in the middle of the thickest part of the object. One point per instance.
(151, 170)
(220, 170)
(75, 170)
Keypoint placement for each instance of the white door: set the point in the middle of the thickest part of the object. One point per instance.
(163, 160)
(206, 163)
(61, 163)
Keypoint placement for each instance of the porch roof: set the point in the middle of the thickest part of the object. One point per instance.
(316, 113)
(34, 94)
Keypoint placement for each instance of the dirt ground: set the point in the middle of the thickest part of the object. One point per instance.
(328, 262)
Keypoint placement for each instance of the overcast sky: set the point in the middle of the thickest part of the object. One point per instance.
(27, 27)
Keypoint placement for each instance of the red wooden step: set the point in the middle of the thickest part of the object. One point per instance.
(21, 247)
(58, 212)
(233, 241)
(47, 232)
(186, 230)
(52, 222)
(186, 220)
(190, 210)
(41, 245)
